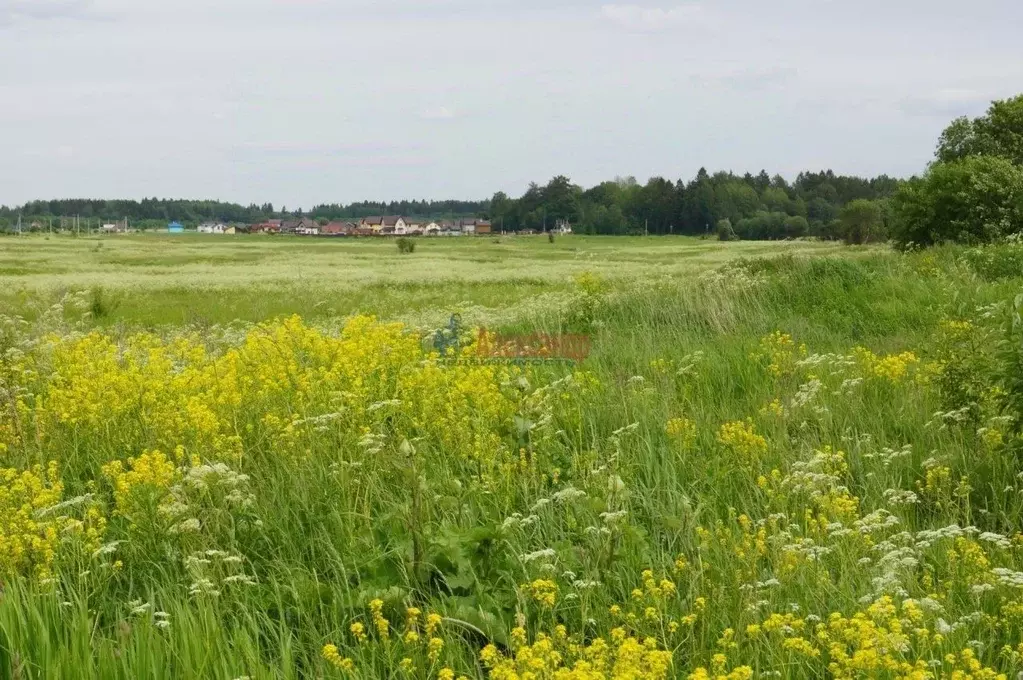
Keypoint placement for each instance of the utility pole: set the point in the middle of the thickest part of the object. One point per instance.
(646, 227)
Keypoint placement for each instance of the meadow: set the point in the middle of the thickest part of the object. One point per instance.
(238, 457)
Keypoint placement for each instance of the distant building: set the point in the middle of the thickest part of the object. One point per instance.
(449, 228)
(176, 228)
(374, 223)
(563, 227)
(212, 228)
(396, 224)
(387, 224)
(338, 228)
(483, 227)
(431, 228)
(267, 227)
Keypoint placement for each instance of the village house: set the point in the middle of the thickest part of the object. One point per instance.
(118, 227)
(304, 226)
(483, 227)
(338, 228)
(213, 228)
(387, 225)
(431, 228)
(374, 223)
(413, 226)
(267, 227)
(396, 224)
(450, 228)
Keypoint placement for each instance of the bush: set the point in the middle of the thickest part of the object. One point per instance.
(974, 200)
(994, 262)
(725, 231)
(763, 226)
(406, 246)
(862, 221)
(101, 303)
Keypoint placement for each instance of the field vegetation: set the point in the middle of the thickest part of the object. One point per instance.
(228, 458)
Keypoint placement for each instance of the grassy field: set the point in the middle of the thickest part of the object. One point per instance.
(781, 460)
(176, 279)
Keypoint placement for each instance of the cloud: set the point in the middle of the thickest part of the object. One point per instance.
(648, 19)
(946, 103)
(12, 11)
(751, 79)
(438, 113)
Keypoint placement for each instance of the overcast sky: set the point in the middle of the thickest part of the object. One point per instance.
(308, 101)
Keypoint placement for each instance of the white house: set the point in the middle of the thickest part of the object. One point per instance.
(413, 226)
(212, 228)
(431, 228)
(394, 224)
(449, 228)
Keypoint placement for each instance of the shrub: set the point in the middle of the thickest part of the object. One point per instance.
(102, 304)
(994, 262)
(725, 231)
(862, 221)
(974, 200)
(406, 246)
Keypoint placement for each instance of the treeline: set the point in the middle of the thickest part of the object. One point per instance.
(973, 192)
(747, 206)
(155, 213)
(433, 209)
(157, 209)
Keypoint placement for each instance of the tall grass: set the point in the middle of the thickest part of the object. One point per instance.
(786, 467)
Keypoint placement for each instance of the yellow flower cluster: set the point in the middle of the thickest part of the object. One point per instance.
(544, 591)
(719, 671)
(382, 625)
(681, 429)
(334, 658)
(142, 483)
(893, 368)
(562, 657)
(780, 353)
(28, 543)
(741, 438)
(283, 381)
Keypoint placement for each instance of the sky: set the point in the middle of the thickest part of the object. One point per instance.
(300, 102)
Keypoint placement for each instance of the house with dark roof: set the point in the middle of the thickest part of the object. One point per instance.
(337, 228)
(267, 227)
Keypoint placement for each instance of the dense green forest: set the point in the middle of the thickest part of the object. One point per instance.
(972, 192)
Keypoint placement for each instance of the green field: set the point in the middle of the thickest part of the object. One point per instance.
(174, 279)
(779, 460)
